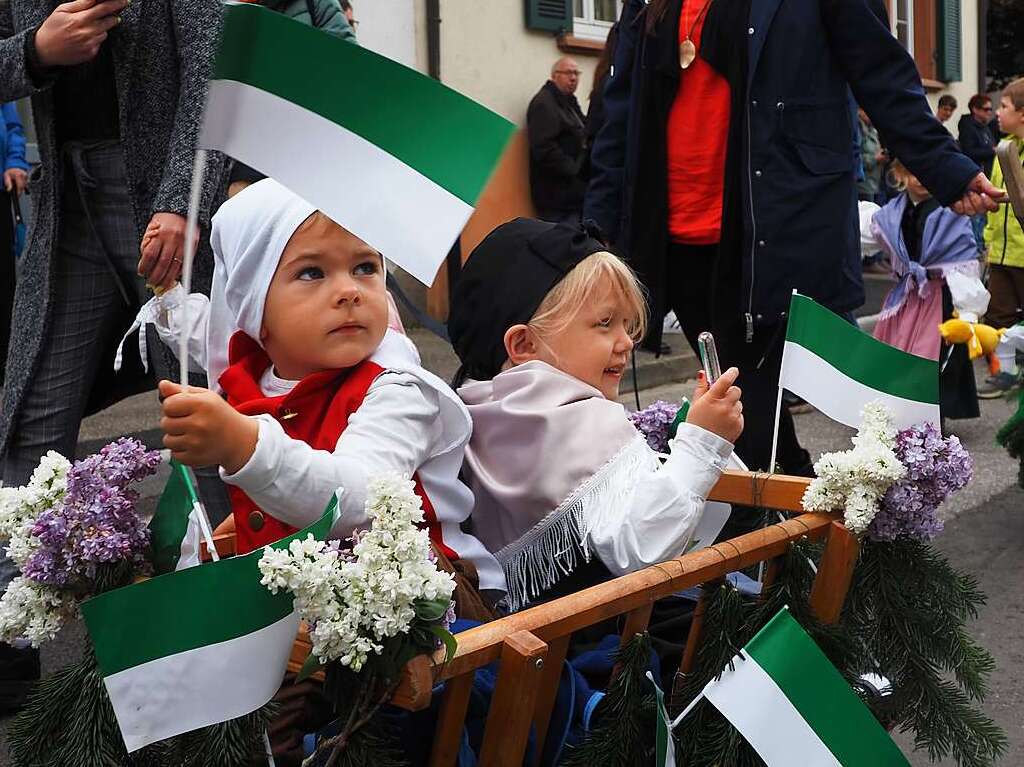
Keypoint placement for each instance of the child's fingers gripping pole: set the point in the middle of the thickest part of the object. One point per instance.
(191, 236)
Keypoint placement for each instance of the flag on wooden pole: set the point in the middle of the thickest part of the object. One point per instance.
(839, 369)
(793, 707)
(391, 155)
(194, 647)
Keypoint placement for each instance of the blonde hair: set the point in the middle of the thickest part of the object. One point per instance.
(1015, 93)
(564, 301)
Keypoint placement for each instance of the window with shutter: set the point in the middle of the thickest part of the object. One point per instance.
(549, 15)
(950, 46)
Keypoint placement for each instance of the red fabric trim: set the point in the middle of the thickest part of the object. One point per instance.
(316, 411)
(698, 127)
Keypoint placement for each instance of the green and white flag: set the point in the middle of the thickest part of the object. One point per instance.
(194, 647)
(839, 369)
(391, 155)
(176, 529)
(664, 743)
(793, 706)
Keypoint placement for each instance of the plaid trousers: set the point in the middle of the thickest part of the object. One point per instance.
(95, 276)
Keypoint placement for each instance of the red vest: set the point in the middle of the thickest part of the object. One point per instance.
(316, 412)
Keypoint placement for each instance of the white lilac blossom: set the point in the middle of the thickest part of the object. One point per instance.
(856, 480)
(33, 611)
(356, 601)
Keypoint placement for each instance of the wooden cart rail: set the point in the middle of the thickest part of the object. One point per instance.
(531, 645)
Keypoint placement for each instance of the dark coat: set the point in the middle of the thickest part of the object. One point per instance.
(799, 204)
(163, 55)
(555, 125)
(977, 142)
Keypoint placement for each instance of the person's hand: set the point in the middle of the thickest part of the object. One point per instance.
(73, 32)
(201, 429)
(162, 250)
(15, 180)
(718, 408)
(979, 197)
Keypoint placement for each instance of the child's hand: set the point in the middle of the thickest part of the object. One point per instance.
(201, 429)
(718, 408)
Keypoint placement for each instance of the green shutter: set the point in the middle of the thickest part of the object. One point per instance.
(949, 49)
(549, 15)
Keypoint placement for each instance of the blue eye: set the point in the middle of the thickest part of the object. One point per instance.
(366, 268)
(310, 273)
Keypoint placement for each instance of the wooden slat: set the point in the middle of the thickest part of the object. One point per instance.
(414, 692)
(693, 639)
(834, 573)
(770, 491)
(450, 721)
(636, 622)
(548, 692)
(511, 713)
(225, 544)
(482, 645)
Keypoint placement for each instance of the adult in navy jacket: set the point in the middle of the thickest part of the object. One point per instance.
(15, 177)
(789, 203)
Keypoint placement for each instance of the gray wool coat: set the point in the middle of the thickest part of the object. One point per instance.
(163, 54)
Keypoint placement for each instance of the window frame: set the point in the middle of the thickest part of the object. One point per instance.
(895, 21)
(586, 27)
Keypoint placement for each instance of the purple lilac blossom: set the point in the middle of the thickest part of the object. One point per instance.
(97, 522)
(936, 468)
(654, 422)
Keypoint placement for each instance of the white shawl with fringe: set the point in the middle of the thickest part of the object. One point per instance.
(558, 471)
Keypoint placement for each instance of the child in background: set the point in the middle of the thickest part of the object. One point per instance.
(543, 320)
(1005, 241)
(935, 261)
(318, 393)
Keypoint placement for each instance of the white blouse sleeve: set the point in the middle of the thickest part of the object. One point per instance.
(665, 507)
(169, 313)
(394, 430)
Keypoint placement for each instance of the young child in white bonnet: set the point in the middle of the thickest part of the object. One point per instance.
(314, 391)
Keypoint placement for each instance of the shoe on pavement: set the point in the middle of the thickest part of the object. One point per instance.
(19, 671)
(998, 385)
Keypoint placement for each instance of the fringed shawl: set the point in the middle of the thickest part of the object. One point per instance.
(947, 244)
(548, 454)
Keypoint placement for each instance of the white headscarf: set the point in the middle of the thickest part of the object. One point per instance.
(250, 232)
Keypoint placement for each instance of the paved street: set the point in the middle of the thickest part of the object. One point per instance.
(984, 535)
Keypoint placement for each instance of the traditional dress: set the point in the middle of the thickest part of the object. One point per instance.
(935, 261)
(334, 430)
(558, 472)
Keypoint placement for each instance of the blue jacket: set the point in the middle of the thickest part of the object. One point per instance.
(799, 202)
(12, 139)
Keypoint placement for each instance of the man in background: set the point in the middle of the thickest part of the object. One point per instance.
(555, 125)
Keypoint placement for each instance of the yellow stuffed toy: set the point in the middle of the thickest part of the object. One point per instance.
(980, 339)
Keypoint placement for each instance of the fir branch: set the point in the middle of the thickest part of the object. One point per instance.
(68, 721)
(626, 724)
(908, 606)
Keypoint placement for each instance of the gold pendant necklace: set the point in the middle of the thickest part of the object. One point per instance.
(687, 53)
(687, 48)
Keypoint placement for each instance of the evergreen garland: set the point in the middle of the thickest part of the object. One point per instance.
(626, 725)
(908, 606)
(903, 619)
(67, 721)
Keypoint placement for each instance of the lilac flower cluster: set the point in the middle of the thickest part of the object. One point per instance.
(936, 468)
(96, 522)
(654, 422)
